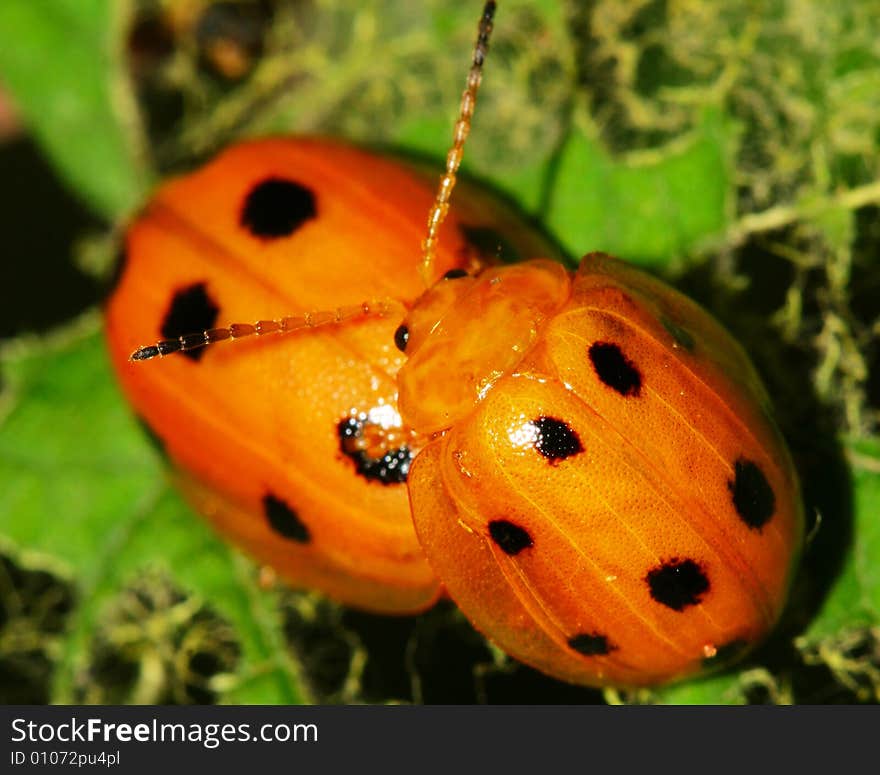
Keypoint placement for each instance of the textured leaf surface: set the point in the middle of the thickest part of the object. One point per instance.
(78, 485)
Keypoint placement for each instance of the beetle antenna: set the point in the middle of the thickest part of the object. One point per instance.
(284, 325)
(462, 128)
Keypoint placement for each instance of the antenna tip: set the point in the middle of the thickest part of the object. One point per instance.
(144, 353)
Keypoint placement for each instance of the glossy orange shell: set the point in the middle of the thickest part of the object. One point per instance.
(252, 428)
(617, 507)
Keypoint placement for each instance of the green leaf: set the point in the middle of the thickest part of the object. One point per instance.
(647, 211)
(716, 689)
(854, 598)
(79, 486)
(57, 60)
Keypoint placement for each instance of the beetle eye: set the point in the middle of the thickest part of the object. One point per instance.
(401, 337)
(454, 274)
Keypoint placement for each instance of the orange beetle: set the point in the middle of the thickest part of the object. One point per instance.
(278, 441)
(604, 494)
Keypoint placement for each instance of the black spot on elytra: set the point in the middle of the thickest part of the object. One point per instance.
(284, 520)
(510, 538)
(276, 208)
(401, 337)
(677, 584)
(555, 439)
(682, 337)
(753, 496)
(390, 468)
(591, 644)
(490, 244)
(455, 274)
(615, 369)
(727, 654)
(191, 311)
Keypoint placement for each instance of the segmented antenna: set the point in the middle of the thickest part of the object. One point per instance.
(453, 159)
(263, 327)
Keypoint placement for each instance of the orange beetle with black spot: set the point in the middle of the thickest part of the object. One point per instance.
(604, 494)
(598, 483)
(293, 447)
